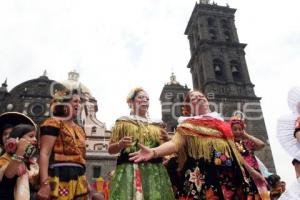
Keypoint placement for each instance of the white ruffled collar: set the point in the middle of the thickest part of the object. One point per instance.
(141, 119)
(211, 114)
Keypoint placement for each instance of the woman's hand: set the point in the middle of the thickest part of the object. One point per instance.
(164, 136)
(144, 154)
(44, 192)
(125, 142)
(258, 178)
(21, 147)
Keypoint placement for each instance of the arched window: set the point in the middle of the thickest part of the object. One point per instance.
(219, 69)
(235, 70)
(212, 34)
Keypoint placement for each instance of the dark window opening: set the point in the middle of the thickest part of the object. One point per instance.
(235, 70)
(218, 69)
(96, 171)
(212, 34)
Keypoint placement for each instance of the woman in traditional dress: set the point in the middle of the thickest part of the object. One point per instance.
(7, 122)
(212, 167)
(18, 168)
(247, 145)
(62, 154)
(288, 133)
(147, 180)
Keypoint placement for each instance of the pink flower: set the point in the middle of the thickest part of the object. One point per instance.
(11, 145)
(223, 157)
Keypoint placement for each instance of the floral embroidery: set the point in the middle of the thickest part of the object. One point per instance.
(218, 161)
(245, 147)
(197, 178)
(222, 159)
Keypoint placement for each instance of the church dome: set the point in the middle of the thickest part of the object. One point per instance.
(73, 83)
(32, 97)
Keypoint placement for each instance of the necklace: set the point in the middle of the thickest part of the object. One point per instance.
(143, 124)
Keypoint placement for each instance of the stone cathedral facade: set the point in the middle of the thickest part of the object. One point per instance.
(219, 69)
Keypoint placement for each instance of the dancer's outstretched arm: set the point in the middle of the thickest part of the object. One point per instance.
(146, 153)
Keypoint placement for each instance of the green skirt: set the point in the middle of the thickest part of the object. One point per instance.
(145, 181)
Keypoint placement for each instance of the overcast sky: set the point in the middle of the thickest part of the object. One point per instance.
(116, 45)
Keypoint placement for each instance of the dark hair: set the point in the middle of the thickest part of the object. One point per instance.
(60, 108)
(5, 126)
(295, 161)
(273, 179)
(21, 130)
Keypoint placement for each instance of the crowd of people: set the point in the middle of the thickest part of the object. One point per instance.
(208, 158)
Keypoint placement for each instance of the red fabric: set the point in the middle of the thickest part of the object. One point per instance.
(213, 123)
(138, 180)
(237, 121)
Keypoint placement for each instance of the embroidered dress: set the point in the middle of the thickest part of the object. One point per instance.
(210, 163)
(67, 161)
(143, 181)
(246, 149)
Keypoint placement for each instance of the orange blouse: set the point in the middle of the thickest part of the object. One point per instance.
(70, 143)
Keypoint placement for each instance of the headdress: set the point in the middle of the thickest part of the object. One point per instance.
(294, 99)
(132, 94)
(237, 118)
(59, 96)
(15, 118)
(286, 125)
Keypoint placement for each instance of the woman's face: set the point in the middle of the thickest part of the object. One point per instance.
(199, 103)
(140, 103)
(237, 130)
(75, 105)
(30, 137)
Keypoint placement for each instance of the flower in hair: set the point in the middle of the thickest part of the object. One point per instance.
(133, 93)
(59, 96)
(237, 120)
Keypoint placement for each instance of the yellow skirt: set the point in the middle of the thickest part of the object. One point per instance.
(68, 183)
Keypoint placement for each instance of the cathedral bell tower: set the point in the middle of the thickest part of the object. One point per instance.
(219, 69)
(171, 98)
